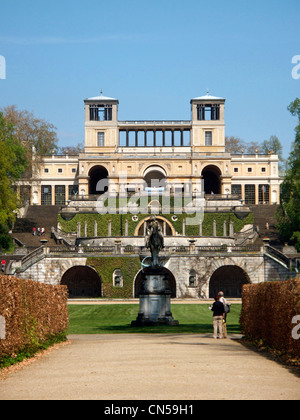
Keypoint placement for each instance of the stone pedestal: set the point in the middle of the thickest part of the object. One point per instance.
(155, 299)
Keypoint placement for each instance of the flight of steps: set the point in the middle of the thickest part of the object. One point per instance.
(262, 215)
(37, 216)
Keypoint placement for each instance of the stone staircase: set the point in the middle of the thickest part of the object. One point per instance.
(37, 216)
(264, 214)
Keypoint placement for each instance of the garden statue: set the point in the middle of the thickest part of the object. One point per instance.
(155, 293)
(154, 239)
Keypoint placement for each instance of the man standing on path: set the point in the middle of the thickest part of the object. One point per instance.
(218, 315)
(226, 311)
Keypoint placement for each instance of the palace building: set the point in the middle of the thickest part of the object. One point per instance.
(95, 208)
(170, 156)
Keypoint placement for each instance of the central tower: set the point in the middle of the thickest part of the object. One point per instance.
(208, 124)
(101, 124)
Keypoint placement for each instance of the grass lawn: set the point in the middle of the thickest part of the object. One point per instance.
(116, 319)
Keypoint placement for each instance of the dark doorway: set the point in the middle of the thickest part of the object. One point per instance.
(228, 279)
(82, 281)
(212, 179)
(155, 179)
(98, 180)
(139, 279)
(161, 223)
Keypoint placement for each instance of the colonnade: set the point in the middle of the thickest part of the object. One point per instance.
(157, 138)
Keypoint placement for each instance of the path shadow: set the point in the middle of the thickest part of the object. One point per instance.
(295, 370)
(163, 329)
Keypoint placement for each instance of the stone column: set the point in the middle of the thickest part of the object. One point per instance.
(165, 228)
(183, 227)
(200, 229)
(231, 229)
(256, 194)
(224, 228)
(109, 228)
(126, 227)
(214, 228)
(85, 229)
(78, 230)
(95, 228)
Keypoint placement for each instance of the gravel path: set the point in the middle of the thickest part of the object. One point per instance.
(151, 367)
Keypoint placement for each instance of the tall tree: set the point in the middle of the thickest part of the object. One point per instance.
(36, 135)
(274, 145)
(71, 150)
(289, 216)
(12, 165)
(234, 145)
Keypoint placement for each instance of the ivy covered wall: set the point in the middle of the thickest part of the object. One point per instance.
(105, 267)
(118, 223)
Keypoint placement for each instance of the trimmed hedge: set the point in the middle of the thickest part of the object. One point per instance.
(34, 313)
(267, 313)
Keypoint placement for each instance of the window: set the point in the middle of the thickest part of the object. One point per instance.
(100, 139)
(208, 112)
(235, 170)
(46, 170)
(263, 169)
(46, 195)
(249, 170)
(73, 190)
(60, 195)
(236, 189)
(192, 278)
(74, 170)
(249, 194)
(100, 112)
(118, 278)
(208, 138)
(263, 194)
(59, 170)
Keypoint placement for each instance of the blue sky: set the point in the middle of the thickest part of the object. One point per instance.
(154, 56)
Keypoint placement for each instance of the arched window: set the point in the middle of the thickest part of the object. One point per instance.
(118, 278)
(192, 278)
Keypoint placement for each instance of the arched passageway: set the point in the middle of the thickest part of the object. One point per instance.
(98, 183)
(82, 281)
(211, 175)
(155, 178)
(228, 279)
(166, 227)
(170, 276)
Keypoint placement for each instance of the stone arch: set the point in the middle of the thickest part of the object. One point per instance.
(139, 230)
(82, 281)
(229, 279)
(138, 283)
(211, 175)
(155, 176)
(98, 182)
